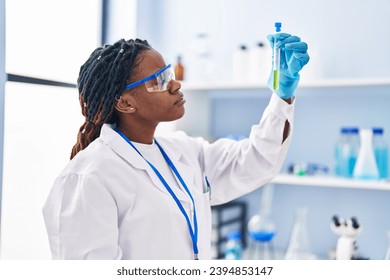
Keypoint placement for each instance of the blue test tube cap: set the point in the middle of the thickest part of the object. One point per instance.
(345, 130)
(354, 130)
(377, 130)
(278, 26)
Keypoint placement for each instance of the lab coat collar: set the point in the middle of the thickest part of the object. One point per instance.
(124, 150)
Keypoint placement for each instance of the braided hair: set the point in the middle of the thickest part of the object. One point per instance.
(101, 80)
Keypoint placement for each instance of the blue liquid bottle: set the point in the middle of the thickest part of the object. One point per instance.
(354, 142)
(380, 151)
(340, 164)
(346, 151)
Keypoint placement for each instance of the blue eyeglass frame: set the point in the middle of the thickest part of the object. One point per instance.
(148, 78)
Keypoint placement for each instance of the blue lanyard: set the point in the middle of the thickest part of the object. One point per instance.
(193, 232)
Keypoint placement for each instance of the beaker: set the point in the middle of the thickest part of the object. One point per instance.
(387, 256)
(299, 246)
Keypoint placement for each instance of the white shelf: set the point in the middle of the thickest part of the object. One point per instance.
(303, 84)
(322, 181)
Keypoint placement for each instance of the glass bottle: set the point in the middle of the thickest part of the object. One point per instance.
(179, 69)
(366, 167)
(299, 245)
(380, 151)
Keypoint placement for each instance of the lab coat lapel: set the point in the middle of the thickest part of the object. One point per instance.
(124, 150)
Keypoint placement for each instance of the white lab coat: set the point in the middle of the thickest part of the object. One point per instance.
(109, 204)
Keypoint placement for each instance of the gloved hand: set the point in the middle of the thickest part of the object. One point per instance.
(293, 56)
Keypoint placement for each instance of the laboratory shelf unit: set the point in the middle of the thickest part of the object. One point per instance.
(200, 95)
(219, 108)
(325, 181)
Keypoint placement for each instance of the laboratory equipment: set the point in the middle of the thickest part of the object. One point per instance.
(366, 167)
(276, 66)
(348, 231)
(346, 151)
(228, 217)
(179, 69)
(307, 169)
(261, 227)
(381, 152)
(387, 256)
(299, 245)
(233, 248)
(292, 58)
(241, 64)
(156, 82)
(200, 66)
(260, 63)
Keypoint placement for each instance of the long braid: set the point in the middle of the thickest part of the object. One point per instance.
(101, 79)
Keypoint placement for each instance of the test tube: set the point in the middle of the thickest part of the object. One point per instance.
(276, 66)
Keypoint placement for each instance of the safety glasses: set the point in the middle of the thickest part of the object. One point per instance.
(156, 82)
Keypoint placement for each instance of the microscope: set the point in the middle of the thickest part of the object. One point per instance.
(348, 231)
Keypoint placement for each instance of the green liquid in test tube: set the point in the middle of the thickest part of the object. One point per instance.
(276, 66)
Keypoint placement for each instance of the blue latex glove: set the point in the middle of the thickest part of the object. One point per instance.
(293, 56)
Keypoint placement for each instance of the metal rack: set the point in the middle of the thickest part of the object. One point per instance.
(235, 221)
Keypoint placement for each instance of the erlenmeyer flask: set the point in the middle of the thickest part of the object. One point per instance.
(387, 256)
(299, 246)
(262, 228)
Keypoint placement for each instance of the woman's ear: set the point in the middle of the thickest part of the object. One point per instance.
(124, 104)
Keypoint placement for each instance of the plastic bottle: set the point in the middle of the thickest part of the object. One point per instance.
(299, 245)
(340, 160)
(241, 65)
(354, 141)
(201, 66)
(346, 151)
(366, 167)
(233, 248)
(179, 69)
(381, 152)
(260, 63)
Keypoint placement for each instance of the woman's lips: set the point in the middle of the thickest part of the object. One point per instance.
(181, 100)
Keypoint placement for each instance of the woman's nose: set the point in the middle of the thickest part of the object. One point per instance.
(175, 86)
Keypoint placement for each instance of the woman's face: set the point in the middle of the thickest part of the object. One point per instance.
(154, 107)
